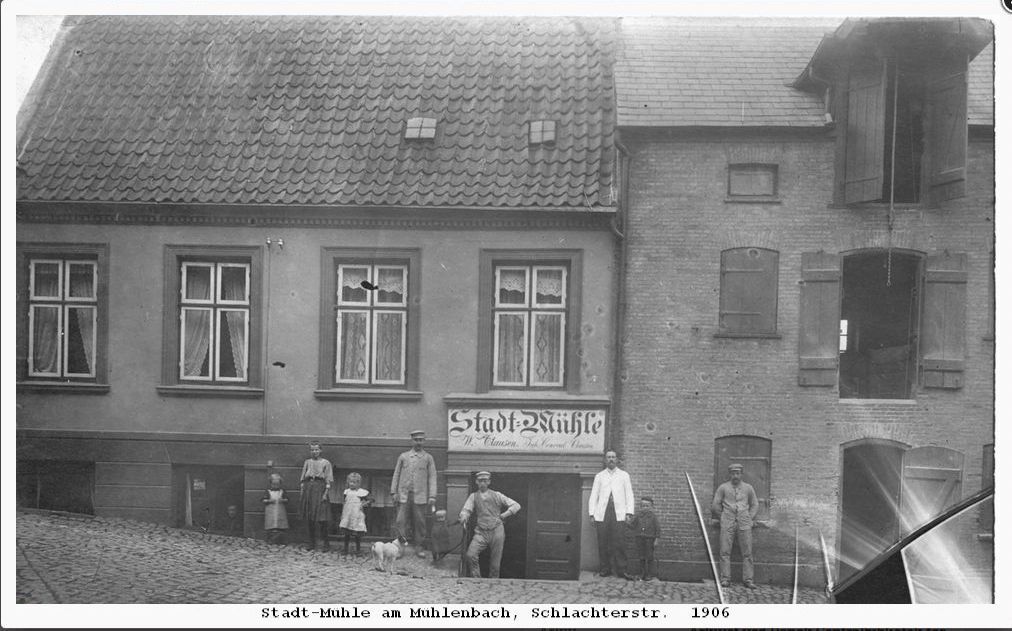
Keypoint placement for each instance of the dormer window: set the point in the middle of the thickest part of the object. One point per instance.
(420, 128)
(542, 132)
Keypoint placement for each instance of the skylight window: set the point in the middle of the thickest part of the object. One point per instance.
(420, 128)
(542, 132)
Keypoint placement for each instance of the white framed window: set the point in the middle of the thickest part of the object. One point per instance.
(214, 321)
(529, 326)
(371, 324)
(62, 317)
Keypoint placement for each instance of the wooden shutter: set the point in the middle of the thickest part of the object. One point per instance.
(866, 101)
(932, 481)
(819, 327)
(753, 453)
(947, 134)
(943, 328)
(748, 291)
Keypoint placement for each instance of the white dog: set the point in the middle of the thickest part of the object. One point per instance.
(386, 553)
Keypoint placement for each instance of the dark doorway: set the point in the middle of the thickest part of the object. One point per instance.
(543, 539)
(203, 496)
(869, 503)
(879, 324)
(63, 485)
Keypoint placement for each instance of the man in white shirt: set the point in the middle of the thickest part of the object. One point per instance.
(610, 497)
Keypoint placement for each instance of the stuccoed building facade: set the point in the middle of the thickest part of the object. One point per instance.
(808, 286)
(237, 234)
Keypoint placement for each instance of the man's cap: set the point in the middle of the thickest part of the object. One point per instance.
(418, 434)
(735, 467)
(482, 474)
(647, 498)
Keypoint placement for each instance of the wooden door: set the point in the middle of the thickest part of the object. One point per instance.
(932, 481)
(553, 527)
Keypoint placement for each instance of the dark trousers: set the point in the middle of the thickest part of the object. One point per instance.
(317, 530)
(416, 514)
(611, 541)
(645, 548)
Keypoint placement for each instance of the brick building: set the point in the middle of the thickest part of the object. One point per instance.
(808, 281)
(236, 234)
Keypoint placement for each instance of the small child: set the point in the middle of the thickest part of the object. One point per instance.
(646, 530)
(352, 515)
(275, 512)
(314, 507)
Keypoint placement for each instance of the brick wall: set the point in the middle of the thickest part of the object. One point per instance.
(682, 387)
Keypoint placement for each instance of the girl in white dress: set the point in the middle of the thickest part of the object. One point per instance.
(356, 499)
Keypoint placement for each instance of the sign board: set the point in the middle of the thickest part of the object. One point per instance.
(526, 429)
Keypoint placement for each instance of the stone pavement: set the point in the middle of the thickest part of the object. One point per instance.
(64, 558)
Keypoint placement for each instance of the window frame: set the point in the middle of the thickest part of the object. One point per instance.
(753, 167)
(722, 297)
(332, 261)
(65, 255)
(490, 262)
(177, 260)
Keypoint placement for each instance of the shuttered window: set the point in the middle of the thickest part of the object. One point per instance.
(943, 332)
(754, 454)
(819, 327)
(748, 292)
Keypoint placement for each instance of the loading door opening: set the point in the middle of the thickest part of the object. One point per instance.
(869, 503)
(878, 325)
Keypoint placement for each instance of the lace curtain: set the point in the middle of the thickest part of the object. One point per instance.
(82, 285)
(46, 320)
(196, 327)
(233, 289)
(512, 345)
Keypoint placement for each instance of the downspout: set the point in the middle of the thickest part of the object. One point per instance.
(619, 229)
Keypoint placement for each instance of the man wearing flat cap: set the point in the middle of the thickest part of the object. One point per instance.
(413, 487)
(489, 508)
(736, 504)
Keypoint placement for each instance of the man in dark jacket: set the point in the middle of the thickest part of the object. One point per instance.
(647, 530)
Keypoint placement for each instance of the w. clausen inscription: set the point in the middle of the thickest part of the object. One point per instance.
(521, 429)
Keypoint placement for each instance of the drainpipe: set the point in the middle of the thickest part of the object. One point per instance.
(620, 230)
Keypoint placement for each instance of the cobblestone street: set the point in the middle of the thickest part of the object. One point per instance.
(63, 558)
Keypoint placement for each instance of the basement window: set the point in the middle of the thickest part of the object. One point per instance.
(420, 128)
(542, 132)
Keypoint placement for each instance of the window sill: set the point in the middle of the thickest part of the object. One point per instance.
(367, 394)
(526, 397)
(63, 387)
(856, 401)
(752, 199)
(225, 392)
(745, 336)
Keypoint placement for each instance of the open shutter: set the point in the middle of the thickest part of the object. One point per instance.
(819, 329)
(932, 481)
(943, 329)
(866, 101)
(946, 99)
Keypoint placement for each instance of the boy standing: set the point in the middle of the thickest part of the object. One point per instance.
(647, 530)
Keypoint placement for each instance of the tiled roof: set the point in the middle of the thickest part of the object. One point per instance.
(311, 110)
(727, 72)
(717, 72)
(980, 95)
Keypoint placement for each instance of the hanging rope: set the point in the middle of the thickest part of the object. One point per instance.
(892, 177)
